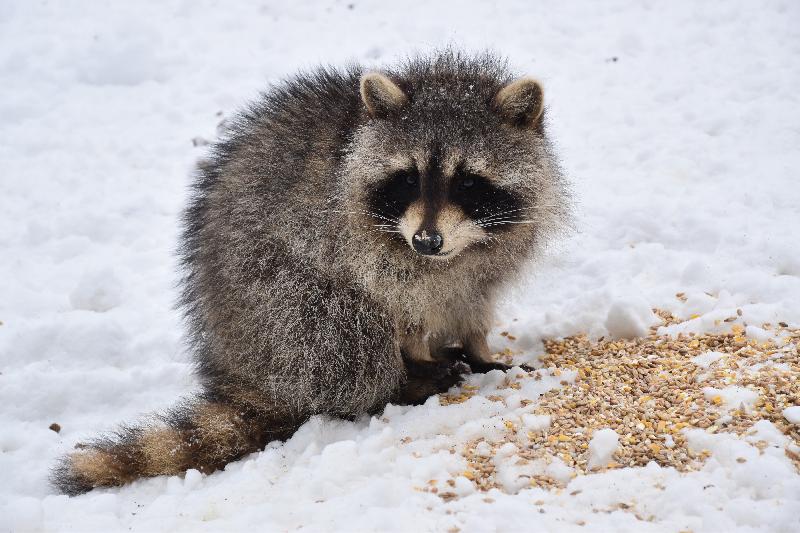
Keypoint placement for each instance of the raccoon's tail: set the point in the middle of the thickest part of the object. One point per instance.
(205, 435)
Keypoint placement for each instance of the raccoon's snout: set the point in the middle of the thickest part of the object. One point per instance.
(440, 235)
(427, 243)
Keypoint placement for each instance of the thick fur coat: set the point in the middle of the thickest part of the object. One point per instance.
(344, 248)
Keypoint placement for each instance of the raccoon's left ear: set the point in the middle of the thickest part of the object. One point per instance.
(520, 103)
(381, 95)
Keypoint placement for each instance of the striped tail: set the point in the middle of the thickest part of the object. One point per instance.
(204, 435)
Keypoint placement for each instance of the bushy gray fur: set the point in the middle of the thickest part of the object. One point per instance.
(297, 303)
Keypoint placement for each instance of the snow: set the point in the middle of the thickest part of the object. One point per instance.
(677, 124)
(732, 397)
(602, 447)
(763, 472)
(707, 359)
(792, 414)
(97, 291)
(628, 320)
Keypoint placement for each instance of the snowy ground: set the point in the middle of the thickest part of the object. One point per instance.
(677, 122)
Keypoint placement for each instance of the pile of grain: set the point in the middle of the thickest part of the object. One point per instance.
(648, 390)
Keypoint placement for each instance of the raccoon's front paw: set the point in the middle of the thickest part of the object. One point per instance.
(479, 364)
(480, 367)
(428, 379)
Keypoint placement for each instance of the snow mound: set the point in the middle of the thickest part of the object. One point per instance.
(705, 360)
(602, 447)
(731, 397)
(626, 320)
(792, 414)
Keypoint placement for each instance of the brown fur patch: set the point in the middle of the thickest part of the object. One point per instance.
(381, 95)
(411, 221)
(457, 230)
(415, 348)
(100, 468)
(164, 451)
(477, 348)
(521, 102)
(220, 435)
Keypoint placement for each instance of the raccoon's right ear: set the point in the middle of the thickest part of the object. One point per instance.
(520, 103)
(381, 95)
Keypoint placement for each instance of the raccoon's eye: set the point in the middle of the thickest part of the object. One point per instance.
(468, 181)
(395, 192)
(408, 177)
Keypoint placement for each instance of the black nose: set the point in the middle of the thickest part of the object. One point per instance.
(427, 242)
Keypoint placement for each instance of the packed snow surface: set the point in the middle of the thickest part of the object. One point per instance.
(676, 122)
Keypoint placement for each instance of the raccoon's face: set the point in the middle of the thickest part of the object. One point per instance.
(443, 167)
(441, 209)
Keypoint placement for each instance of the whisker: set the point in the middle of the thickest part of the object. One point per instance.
(511, 221)
(380, 227)
(529, 208)
(503, 222)
(502, 213)
(378, 216)
(384, 216)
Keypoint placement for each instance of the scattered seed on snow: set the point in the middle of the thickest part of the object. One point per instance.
(646, 392)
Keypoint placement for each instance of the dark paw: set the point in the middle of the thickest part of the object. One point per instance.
(428, 379)
(482, 368)
(476, 366)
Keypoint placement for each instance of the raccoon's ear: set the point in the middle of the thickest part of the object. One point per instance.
(381, 95)
(520, 103)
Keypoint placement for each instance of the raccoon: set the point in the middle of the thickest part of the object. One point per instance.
(344, 247)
